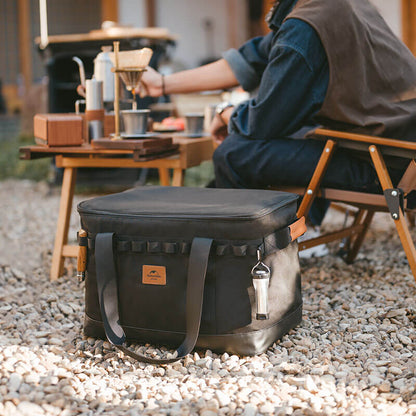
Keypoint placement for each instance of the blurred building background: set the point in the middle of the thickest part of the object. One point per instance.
(204, 29)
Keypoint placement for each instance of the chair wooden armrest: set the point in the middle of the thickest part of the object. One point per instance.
(360, 142)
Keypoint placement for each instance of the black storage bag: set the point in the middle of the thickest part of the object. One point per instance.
(157, 256)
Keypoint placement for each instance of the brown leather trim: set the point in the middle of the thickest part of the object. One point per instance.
(94, 115)
(154, 275)
(298, 228)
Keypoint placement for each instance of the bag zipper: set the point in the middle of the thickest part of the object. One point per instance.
(263, 212)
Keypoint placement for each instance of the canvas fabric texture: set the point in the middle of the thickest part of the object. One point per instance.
(154, 251)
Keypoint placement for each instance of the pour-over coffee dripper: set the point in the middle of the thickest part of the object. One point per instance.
(131, 78)
(129, 65)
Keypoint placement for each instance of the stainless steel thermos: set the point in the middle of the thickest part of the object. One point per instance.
(102, 72)
(94, 94)
(94, 108)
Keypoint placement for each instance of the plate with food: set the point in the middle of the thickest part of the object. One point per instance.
(169, 125)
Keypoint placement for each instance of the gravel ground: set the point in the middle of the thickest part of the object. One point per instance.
(353, 354)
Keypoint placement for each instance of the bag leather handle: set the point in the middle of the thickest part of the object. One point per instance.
(108, 296)
(297, 228)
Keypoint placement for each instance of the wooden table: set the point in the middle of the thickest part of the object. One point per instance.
(192, 152)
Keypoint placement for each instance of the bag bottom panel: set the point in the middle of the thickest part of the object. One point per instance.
(244, 343)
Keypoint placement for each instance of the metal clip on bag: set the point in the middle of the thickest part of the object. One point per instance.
(167, 265)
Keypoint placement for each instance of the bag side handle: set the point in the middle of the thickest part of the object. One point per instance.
(297, 228)
(108, 296)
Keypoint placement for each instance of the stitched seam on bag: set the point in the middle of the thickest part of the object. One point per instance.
(242, 334)
(239, 335)
(264, 212)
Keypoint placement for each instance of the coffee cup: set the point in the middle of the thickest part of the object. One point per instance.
(135, 121)
(194, 123)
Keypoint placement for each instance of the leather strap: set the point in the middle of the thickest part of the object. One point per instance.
(94, 115)
(298, 228)
(280, 239)
(108, 297)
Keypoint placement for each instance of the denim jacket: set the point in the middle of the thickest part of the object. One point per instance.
(290, 69)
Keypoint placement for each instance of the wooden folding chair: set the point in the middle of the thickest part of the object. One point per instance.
(392, 199)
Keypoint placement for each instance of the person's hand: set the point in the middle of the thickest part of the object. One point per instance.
(218, 129)
(151, 83)
(219, 125)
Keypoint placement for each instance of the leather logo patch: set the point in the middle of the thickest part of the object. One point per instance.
(154, 275)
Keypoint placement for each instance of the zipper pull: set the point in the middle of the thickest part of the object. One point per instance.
(260, 274)
(82, 255)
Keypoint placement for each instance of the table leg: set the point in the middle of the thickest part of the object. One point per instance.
(178, 177)
(164, 176)
(61, 237)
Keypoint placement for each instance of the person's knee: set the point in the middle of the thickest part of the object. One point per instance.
(227, 163)
(220, 155)
(223, 154)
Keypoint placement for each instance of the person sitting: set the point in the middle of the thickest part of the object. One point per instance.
(332, 63)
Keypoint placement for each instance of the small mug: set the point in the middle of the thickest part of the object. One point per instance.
(135, 121)
(194, 123)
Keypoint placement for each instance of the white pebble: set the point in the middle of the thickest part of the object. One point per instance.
(208, 412)
(223, 398)
(395, 370)
(14, 382)
(374, 380)
(250, 410)
(30, 409)
(404, 339)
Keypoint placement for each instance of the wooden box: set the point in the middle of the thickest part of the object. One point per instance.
(58, 129)
(109, 124)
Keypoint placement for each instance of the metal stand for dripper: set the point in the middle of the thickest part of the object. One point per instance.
(131, 78)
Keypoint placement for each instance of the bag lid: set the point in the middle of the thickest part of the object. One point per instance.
(158, 204)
